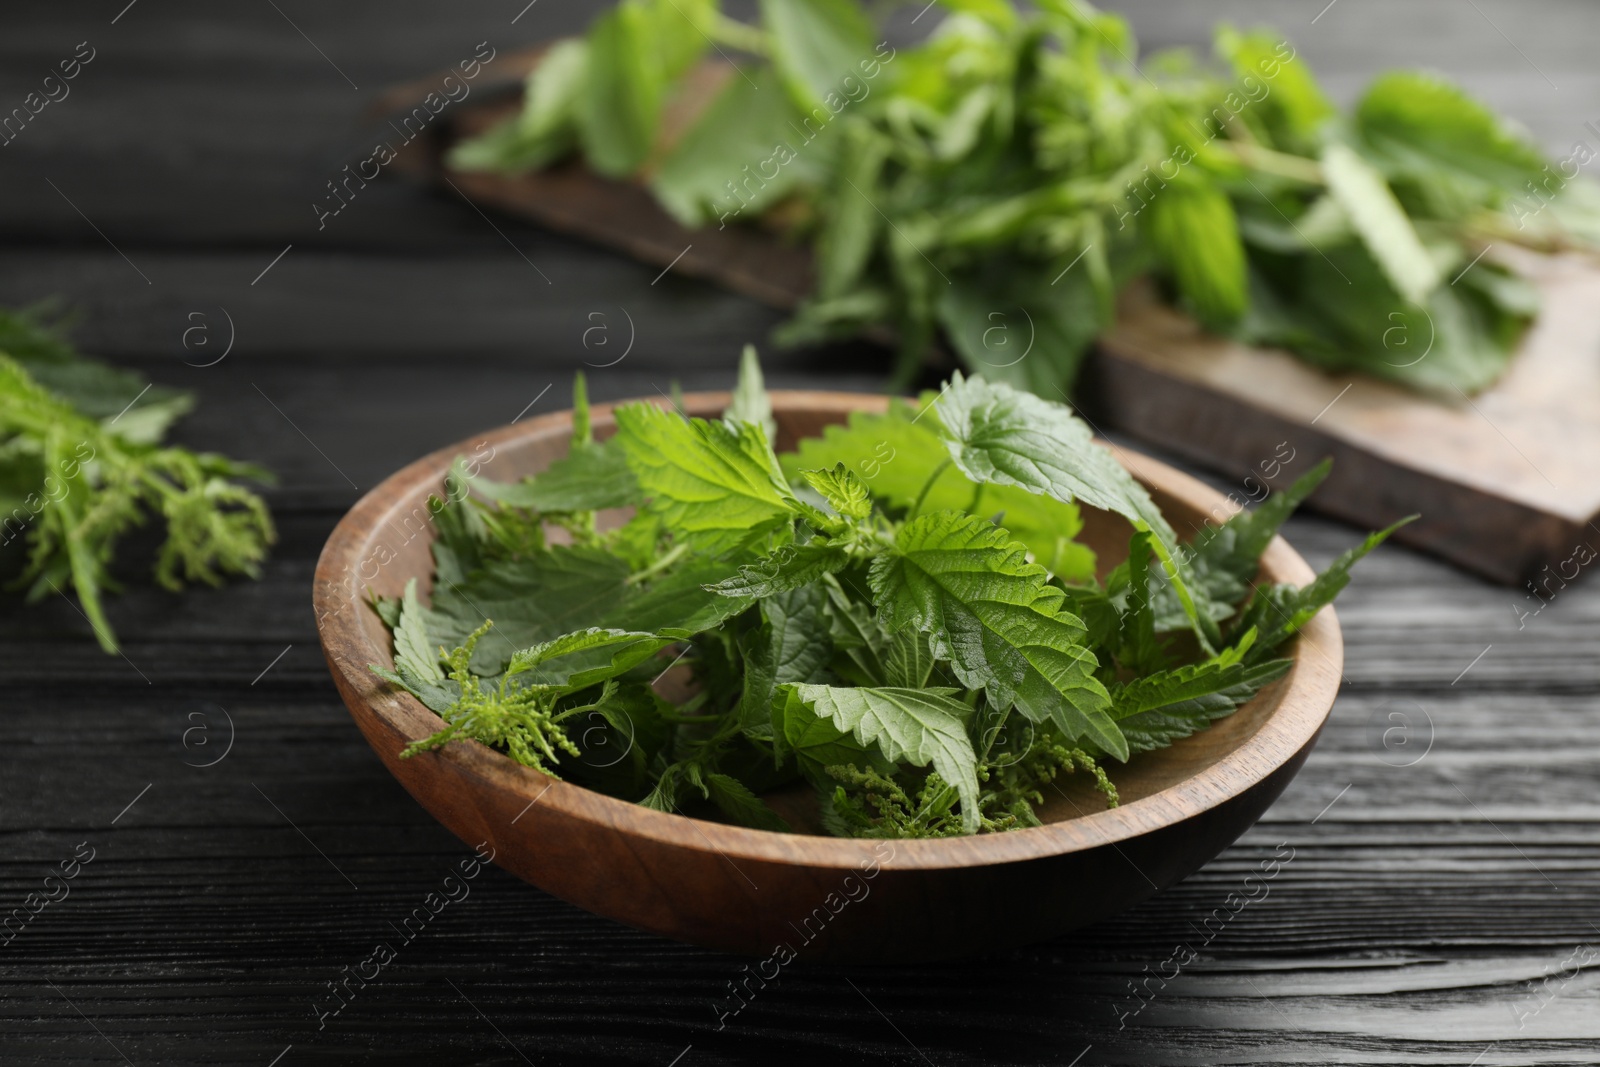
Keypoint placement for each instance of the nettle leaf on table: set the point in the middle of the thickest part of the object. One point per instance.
(546, 131)
(1024, 322)
(732, 141)
(997, 620)
(1426, 127)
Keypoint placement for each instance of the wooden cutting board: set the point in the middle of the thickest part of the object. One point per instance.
(1507, 482)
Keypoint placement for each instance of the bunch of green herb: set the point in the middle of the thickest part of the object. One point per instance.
(1025, 163)
(82, 464)
(895, 612)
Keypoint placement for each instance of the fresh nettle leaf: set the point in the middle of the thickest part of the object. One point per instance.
(920, 726)
(743, 806)
(1158, 709)
(750, 402)
(843, 491)
(1281, 617)
(1001, 435)
(412, 651)
(790, 567)
(716, 486)
(1225, 558)
(1194, 231)
(857, 616)
(815, 45)
(623, 88)
(793, 644)
(997, 620)
(1380, 220)
(1000, 181)
(583, 658)
(900, 458)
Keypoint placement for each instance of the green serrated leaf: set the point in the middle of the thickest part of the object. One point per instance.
(1287, 614)
(679, 604)
(895, 454)
(412, 650)
(792, 645)
(1158, 709)
(1423, 124)
(742, 806)
(1225, 558)
(529, 600)
(919, 726)
(583, 658)
(1001, 435)
(843, 491)
(908, 661)
(750, 402)
(716, 487)
(816, 742)
(740, 158)
(1193, 229)
(789, 567)
(588, 478)
(995, 617)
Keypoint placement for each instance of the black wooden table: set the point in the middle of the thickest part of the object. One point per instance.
(1440, 898)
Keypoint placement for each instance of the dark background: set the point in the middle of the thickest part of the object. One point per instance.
(1430, 914)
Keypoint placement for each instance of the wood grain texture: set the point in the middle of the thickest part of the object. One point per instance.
(1412, 926)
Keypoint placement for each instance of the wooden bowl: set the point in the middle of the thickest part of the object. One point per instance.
(771, 894)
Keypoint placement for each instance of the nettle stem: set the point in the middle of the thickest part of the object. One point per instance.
(927, 486)
(672, 556)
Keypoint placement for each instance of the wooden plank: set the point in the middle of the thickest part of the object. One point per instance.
(1505, 481)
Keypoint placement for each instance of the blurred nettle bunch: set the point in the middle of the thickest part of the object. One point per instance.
(82, 464)
(1027, 160)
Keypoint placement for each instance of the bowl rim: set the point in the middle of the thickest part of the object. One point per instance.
(1305, 700)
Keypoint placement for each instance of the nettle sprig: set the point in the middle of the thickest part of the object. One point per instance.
(1004, 180)
(919, 637)
(81, 466)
